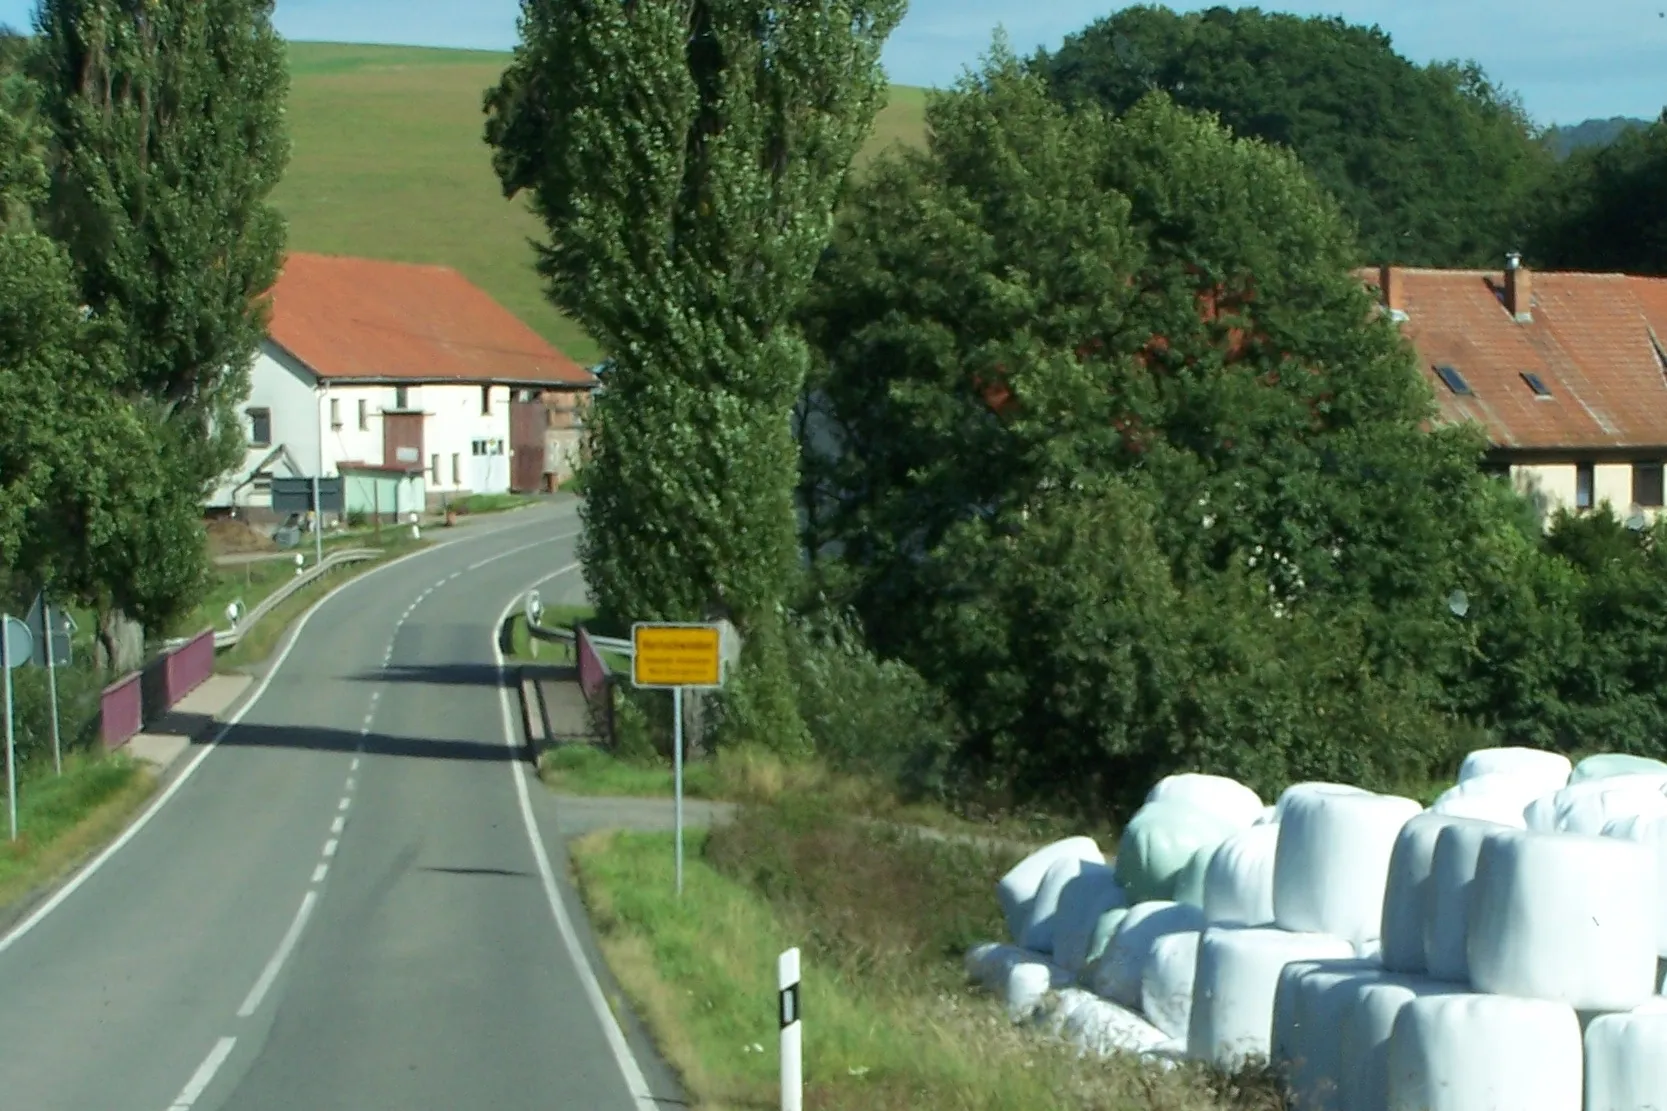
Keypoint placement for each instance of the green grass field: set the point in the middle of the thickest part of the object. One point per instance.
(389, 163)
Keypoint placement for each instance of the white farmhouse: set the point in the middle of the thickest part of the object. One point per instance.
(409, 382)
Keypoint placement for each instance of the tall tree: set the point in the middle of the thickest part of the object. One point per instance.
(686, 156)
(1435, 165)
(168, 136)
(1607, 211)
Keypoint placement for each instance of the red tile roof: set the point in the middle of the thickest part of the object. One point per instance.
(1590, 342)
(354, 318)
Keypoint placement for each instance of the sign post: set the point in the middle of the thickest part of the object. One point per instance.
(51, 632)
(673, 656)
(792, 1032)
(17, 644)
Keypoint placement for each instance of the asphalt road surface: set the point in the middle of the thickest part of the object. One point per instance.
(351, 903)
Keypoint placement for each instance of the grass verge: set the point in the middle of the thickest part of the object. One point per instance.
(62, 819)
(881, 918)
(491, 503)
(260, 639)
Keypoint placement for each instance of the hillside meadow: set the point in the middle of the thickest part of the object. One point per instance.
(389, 163)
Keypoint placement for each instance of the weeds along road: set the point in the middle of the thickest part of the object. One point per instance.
(348, 904)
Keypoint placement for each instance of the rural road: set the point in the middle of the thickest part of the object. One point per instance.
(355, 902)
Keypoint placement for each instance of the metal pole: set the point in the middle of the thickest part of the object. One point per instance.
(792, 1032)
(11, 756)
(52, 685)
(677, 775)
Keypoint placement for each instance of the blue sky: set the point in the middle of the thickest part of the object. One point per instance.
(1569, 59)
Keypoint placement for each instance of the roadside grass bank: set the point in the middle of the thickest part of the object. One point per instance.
(261, 638)
(490, 503)
(882, 918)
(62, 820)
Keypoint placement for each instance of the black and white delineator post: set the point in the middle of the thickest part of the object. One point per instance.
(792, 1032)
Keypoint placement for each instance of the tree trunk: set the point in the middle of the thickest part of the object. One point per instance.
(121, 643)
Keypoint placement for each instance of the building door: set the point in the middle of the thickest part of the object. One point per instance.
(526, 442)
(402, 440)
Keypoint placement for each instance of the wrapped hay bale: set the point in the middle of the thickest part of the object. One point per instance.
(1304, 790)
(988, 963)
(1238, 884)
(1564, 918)
(1038, 931)
(1017, 889)
(1651, 832)
(1088, 896)
(1406, 892)
(1331, 865)
(1100, 1027)
(1605, 765)
(1158, 843)
(1166, 982)
(1587, 807)
(1365, 1038)
(1118, 973)
(1310, 1007)
(1028, 986)
(1485, 1053)
(1234, 986)
(1549, 769)
(1105, 928)
(1447, 913)
(1626, 1060)
(1189, 884)
(1225, 798)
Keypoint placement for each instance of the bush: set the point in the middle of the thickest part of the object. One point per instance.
(78, 714)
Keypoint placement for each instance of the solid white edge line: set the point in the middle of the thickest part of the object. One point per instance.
(204, 1075)
(23, 928)
(269, 974)
(627, 1061)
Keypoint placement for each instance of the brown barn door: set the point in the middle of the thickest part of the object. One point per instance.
(526, 443)
(402, 440)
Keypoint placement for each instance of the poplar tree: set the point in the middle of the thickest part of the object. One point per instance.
(686, 157)
(167, 138)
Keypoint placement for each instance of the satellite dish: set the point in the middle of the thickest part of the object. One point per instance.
(1459, 603)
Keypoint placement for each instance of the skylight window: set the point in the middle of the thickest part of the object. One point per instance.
(1455, 381)
(1541, 390)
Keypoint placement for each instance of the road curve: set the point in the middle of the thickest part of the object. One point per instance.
(348, 904)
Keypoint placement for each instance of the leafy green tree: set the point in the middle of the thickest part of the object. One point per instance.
(1436, 165)
(686, 156)
(1046, 302)
(167, 137)
(1606, 212)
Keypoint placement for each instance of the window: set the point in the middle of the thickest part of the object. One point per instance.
(364, 415)
(486, 401)
(434, 469)
(336, 413)
(1646, 485)
(402, 398)
(260, 427)
(1583, 485)
(456, 469)
(1455, 381)
(1535, 383)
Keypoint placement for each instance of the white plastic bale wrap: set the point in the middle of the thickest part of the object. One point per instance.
(1310, 1006)
(1552, 769)
(1365, 1037)
(1304, 790)
(1406, 892)
(1498, 797)
(1651, 832)
(1607, 764)
(1225, 798)
(1238, 885)
(1159, 841)
(1565, 918)
(1017, 889)
(1105, 928)
(1166, 982)
(1096, 1026)
(1269, 816)
(1233, 989)
(1626, 1060)
(1028, 985)
(1117, 975)
(1038, 931)
(1332, 862)
(1587, 807)
(1447, 910)
(1189, 884)
(988, 963)
(1465, 1052)
(1087, 897)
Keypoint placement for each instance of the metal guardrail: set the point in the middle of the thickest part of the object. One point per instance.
(230, 637)
(566, 636)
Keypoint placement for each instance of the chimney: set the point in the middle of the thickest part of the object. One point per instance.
(1391, 289)
(1519, 289)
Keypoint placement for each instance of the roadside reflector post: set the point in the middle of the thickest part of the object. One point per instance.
(792, 1032)
(675, 656)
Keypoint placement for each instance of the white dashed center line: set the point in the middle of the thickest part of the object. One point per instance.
(337, 823)
(320, 872)
(330, 848)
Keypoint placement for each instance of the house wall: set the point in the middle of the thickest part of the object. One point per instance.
(461, 439)
(1552, 486)
(346, 442)
(282, 386)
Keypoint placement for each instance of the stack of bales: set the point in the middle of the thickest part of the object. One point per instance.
(1502, 949)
